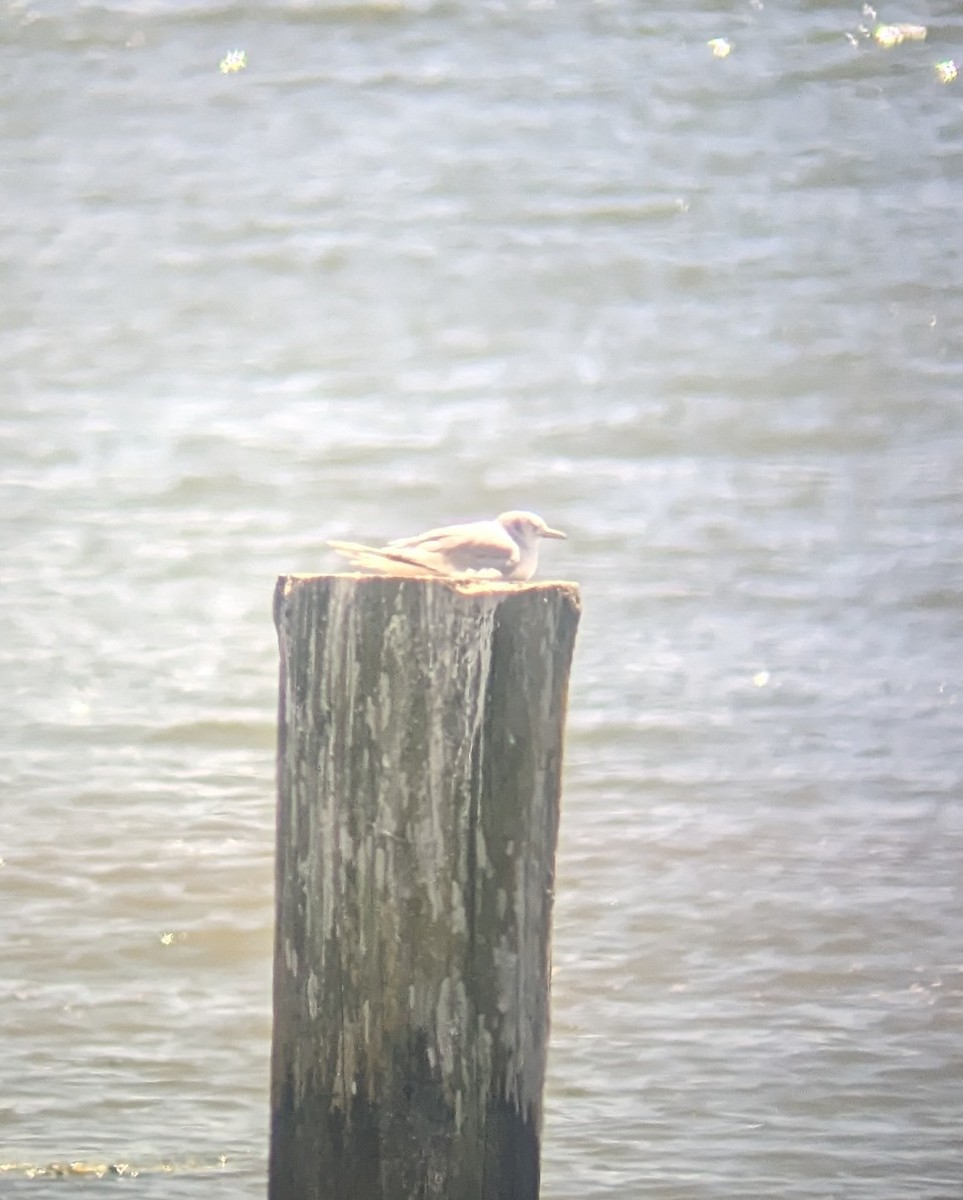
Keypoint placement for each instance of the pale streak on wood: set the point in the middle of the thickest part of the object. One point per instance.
(420, 739)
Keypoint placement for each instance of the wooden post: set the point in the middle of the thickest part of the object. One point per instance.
(419, 759)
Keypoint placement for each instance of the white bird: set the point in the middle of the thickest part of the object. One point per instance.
(506, 548)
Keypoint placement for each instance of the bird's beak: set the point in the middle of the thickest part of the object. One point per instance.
(554, 533)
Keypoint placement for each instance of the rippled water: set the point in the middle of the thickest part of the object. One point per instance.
(426, 261)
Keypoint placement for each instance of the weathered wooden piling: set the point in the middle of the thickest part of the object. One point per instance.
(419, 757)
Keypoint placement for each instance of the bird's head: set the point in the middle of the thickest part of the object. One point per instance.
(525, 527)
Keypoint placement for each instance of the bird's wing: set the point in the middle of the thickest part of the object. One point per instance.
(382, 562)
(478, 547)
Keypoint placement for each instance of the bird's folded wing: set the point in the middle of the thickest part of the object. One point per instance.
(482, 547)
(382, 562)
